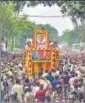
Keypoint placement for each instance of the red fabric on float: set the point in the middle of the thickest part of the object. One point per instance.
(48, 54)
(41, 54)
(40, 66)
(48, 66)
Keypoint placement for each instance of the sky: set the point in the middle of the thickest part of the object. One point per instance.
(61, 24)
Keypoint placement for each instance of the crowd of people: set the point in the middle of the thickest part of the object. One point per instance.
(66, 83)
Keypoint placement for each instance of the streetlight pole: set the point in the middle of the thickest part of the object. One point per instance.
(0, 67)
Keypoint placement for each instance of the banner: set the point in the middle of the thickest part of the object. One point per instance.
(41, 54)
(48, 54)
(35, 54)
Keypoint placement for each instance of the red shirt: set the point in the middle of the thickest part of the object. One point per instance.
(40, 95)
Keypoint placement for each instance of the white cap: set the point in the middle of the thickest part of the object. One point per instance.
(20, 65)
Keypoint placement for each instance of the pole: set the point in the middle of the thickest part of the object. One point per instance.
(0, 68)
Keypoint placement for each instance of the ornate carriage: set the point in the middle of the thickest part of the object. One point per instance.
(41, 54)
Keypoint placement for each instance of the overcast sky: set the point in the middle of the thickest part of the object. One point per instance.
(60, 24)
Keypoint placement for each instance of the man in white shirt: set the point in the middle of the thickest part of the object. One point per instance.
(35, 89)
(45, 74)
(18, 88)
(78, 73)
(71, 81)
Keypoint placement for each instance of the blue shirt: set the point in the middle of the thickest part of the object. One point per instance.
(29, 83)
(50, 78)
(66, 79)
(40, 73)
(55, 83)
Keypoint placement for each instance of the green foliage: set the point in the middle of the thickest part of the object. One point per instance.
(76, 9)
(70, 36)
(73, 8)
(11, 26)
(5, 14)
(17, 29)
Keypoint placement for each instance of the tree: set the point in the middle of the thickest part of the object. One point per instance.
(70, 36)
(20, 27)
(11, 26)
(5, 14)
(76, 9)
(20, 4)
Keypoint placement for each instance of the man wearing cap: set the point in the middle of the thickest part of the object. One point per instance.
(29, 97)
